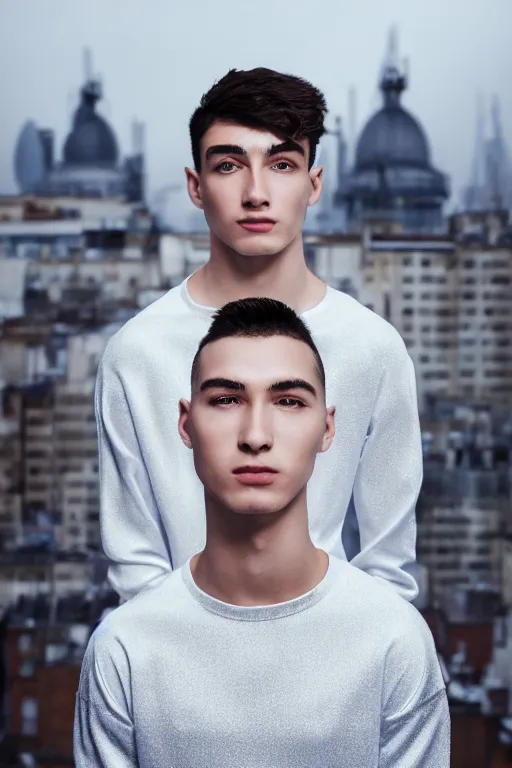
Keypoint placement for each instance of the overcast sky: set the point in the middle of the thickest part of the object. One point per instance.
(156, 58)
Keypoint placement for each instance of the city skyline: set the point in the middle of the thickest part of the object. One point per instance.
(138, 62)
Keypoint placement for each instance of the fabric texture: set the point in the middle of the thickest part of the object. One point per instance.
(344, 676)
(152, 503)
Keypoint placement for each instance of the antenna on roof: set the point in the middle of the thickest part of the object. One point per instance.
(87, 65)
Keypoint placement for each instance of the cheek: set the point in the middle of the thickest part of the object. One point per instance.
(214, 436)
(219, 195)
(294, 197)
(299, 438)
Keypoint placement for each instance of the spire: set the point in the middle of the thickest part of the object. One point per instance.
(341, 149)
(475, 191)
(393, 80)
(497, 162)
(91, 91)
(87, 65)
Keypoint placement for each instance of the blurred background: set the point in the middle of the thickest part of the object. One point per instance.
(95, 224)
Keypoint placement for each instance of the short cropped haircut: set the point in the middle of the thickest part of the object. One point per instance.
(285, 105)
(257, 318)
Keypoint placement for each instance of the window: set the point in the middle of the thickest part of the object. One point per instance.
(29, 716)
(24, 643)
(27, 669)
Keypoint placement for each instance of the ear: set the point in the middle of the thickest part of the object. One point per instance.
(330, 429)
(194, 187)
(316, 177)
(184, 423)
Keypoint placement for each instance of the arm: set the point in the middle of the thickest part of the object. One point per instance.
(415, 722)
(419, 736)
(389, 476)
(132, 534)
(103, 730)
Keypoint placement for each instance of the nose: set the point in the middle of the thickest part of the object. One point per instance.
(256, 432)
(255, 193)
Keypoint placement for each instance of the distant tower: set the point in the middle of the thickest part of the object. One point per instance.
(474, 194)
(352, 124)
(91, 141)
(490, 186)
(90, 158)
(29, 159)
(135, 165)
(392, 181)
(341, 149)
(499, 172)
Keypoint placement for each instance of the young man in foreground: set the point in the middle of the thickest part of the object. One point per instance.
(254, 138)
(262, 651)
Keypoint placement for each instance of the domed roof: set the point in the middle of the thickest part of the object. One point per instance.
(92, 141)
(392, 137)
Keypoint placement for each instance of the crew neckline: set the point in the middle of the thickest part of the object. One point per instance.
(259, 612)
(203, 309)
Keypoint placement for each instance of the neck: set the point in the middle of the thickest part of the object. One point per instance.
(229, 276)
(252, 559)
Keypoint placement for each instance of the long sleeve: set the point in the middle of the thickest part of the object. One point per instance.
(418, 736)
(389, 476)
(132, 534)
(415, 721)
(103, 730)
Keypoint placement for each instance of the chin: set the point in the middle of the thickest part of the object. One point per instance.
(259, 245)
(255, 505)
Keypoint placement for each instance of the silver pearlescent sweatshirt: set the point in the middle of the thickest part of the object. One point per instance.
(152, 503)
(344, 676)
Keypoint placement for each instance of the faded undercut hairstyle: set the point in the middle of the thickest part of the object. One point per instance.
(257, 318)
(285, 105)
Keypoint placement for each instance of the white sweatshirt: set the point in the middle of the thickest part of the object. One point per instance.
(344, 676)
(152, 503)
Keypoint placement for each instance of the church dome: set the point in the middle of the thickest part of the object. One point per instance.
(91, 142)
(393, 179)
(392, 137)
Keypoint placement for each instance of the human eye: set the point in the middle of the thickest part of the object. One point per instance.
(224, 400)
(280, 163)
(226, 167)
(291, 402)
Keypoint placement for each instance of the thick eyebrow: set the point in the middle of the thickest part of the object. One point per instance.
(283, 386)
(225, 149)
(278, 386)
(285, 146)
(222, 384)
(235, 149)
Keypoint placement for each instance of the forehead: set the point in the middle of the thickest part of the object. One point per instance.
(258, 361)
(253, 140)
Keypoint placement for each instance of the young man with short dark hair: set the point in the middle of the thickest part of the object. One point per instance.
(254, 138)
(262, 650)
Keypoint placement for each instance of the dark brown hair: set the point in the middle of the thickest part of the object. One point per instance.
(258, 318)
(286, 105)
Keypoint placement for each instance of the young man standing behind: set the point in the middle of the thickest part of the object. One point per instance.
(262, 650)
(254, 138)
